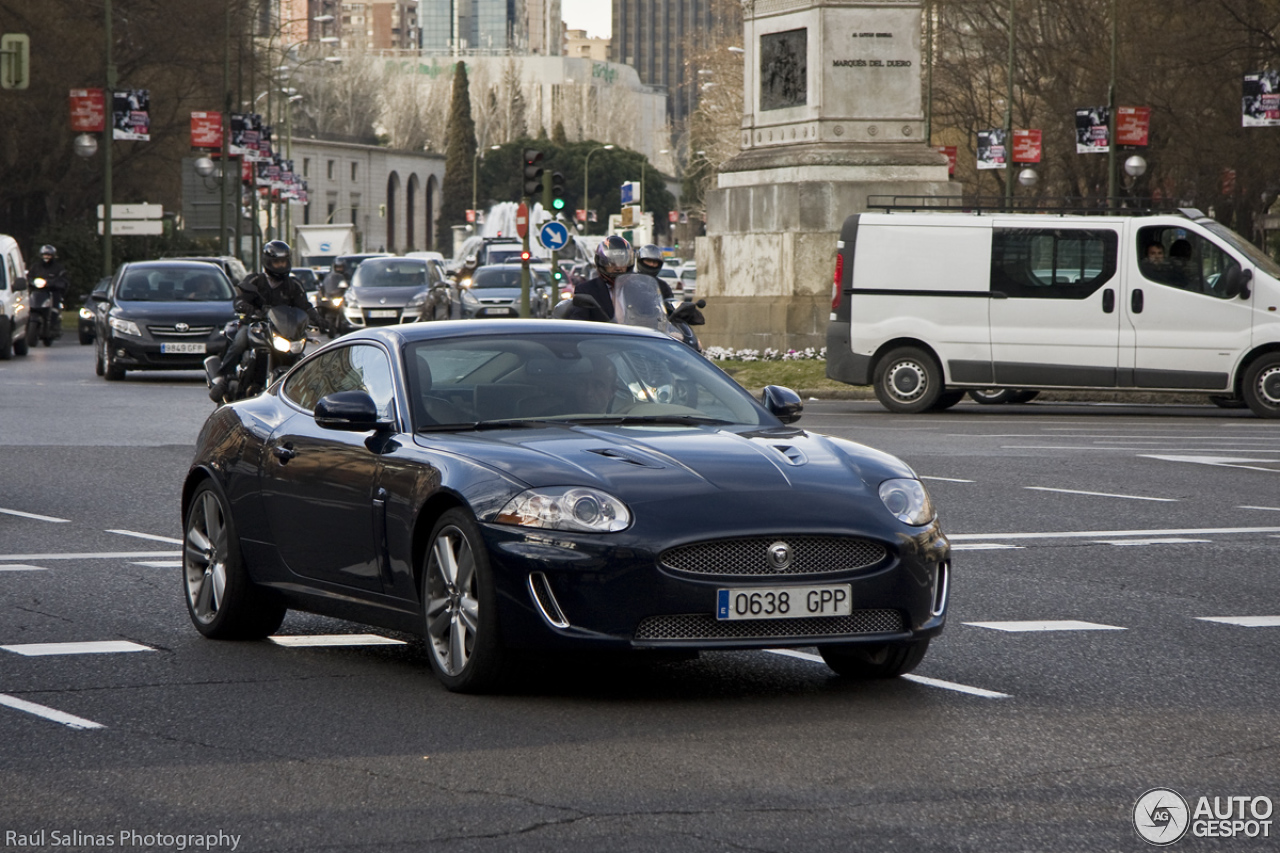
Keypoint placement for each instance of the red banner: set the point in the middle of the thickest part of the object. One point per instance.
(950, 151)
(471, 217)
(206, 130)
(1133, 124)
(1026, 146)
(88, 111)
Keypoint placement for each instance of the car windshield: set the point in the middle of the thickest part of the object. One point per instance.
(495, 277)
(205, 283)
(605, 379)
(391, 272)
(502, 256)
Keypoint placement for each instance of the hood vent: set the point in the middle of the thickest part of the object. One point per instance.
(793, 455)
(625, 457)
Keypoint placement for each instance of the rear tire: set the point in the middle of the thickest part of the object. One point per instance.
(946, 400)
(908, 381)
(1024, 396)
(98, 366)
(1224, 402)
(882, 660)
(992, 396)
(1261, 389)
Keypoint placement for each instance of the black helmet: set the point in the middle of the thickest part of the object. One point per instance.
(613, 257)
(649, 259)
(48, 249)
(277, 259)
(339, 264)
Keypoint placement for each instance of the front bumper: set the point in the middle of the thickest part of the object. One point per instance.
(381, 315)
(141, 354)
(569, 590)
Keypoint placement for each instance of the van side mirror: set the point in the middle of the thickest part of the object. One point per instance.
(1235, 282)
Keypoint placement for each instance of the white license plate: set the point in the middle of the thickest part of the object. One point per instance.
(499, 312)
(384, 313)
(182, 349)
(784, 602)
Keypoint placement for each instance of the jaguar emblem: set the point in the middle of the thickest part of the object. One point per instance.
(779, 556)
(181, 327)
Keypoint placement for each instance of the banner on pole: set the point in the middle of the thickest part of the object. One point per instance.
(1133, 125)
(1091, 130)
(1261, 104)
(88, 111)
(1027, 146)
(950, 152)
(206, 130)
(131, 115)
(991, 149)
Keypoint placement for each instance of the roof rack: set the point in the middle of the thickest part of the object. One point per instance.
(1051, 206)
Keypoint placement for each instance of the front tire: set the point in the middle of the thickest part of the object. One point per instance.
(111, 371)
(6, 339)
(221, 600)
(459, 607)
(1261, 389)
(882, 660)
(99, 366)
(908, 381)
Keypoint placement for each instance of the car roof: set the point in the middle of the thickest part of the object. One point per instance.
(173, 263)
(404, 333)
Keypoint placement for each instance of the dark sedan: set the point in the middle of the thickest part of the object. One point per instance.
(381, 288)
(85, 319)
(504, 486)
(161, 315)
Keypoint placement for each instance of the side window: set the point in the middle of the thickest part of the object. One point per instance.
(1052, 263)
(353, 368)
(6, 273)
(1176, 257)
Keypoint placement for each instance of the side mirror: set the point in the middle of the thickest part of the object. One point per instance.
(348, 411)
(683, 312)
(783, 403)
(19, 284)
(585, 300)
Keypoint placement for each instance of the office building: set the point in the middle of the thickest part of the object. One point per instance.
(491, 26)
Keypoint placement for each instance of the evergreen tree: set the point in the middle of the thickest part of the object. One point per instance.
(459, 159)
(557, 135)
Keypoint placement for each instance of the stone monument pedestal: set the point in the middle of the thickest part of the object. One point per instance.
(832, 116)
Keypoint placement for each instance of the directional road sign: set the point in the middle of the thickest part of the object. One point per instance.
(554, 236)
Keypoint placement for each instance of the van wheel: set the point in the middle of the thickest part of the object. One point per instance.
(6, 339)
(1224, 402)
(1024, 396)
(946, 400)
(908, 381)
(992, 396)
(1262, 386)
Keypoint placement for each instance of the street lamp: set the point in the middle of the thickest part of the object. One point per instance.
(85, 145)
(586, 183)
(1135, 166)
(1028, 177)
(475, 185)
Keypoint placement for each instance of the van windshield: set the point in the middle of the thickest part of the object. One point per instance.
(1244, 247)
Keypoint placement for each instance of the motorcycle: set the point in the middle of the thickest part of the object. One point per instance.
(275, 345)
(637, 301)
(332, 322)
(44, 322)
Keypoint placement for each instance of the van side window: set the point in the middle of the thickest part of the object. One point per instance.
(1176, 257)
(1051, 263)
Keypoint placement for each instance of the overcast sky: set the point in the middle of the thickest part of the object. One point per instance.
(594, 16)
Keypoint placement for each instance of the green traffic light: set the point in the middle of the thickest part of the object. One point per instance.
(558, 204)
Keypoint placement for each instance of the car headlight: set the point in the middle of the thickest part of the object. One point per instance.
(281, 344)
(86, 314)
(567, 508)
(907, 501)
(125, 327)
(469, 298)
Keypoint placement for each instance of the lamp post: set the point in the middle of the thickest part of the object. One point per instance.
(475, 185)
(109, 97)
(1008, 120)
(586, 184)
(1111, 118)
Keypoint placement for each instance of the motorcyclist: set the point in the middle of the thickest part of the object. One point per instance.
(51, 270)
(334, 285)
(649, 262)
(467, 271)
(614, 257)
(254, 297)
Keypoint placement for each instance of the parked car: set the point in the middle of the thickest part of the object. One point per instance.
(86, 320)
(382, 287)
(13, 299)
(689, 279)
(498, 289)
(545, 485)
(161, 315)
(231, 265)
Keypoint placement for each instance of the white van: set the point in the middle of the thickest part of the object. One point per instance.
(927, 306)
(13, 299)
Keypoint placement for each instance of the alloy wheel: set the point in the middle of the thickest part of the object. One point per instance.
(453, 604)
(205, 557)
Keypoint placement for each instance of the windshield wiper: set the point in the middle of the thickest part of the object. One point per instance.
(514, 423)
(635, 420)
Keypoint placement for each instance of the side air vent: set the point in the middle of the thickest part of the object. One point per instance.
(540, 589)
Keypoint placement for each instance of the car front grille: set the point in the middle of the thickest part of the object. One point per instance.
(702, 626)
(750, 556)
(184, 334)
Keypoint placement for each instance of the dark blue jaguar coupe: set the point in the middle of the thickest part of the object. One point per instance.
(505, 487)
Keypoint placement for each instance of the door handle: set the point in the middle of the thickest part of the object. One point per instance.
(284, 453)
(1108, 301)
(1135, 302)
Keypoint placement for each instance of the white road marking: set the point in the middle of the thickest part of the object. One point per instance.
(1219, 462)
(1099, 494)
(103, 647)
(22, 514)
(305, 640)
(1061, 625)
(134, 533)
(1169, 541)
(1267, 508)
(99, 555)
(946, 479)
(48, 713)
(986, 546)
(161, 564)
(1245, 621)
(1095, 534)
(919, 679)
(1096, 448)
(22, 567)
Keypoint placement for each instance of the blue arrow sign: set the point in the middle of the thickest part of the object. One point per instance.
(554, 236)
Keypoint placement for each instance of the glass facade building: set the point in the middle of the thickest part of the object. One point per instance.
(471, 25)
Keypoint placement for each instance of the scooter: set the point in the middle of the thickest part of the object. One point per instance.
(44, 322)
(275, 345)
(638, 302)
(332, 321)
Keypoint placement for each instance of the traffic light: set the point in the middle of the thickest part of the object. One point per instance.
(557, 191)
(532, 172)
